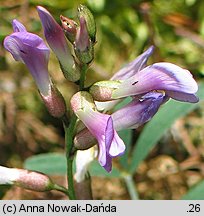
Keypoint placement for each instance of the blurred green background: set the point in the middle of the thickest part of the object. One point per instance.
(124, 30)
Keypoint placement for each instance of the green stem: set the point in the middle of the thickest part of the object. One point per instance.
(131, 186)
(61, 189)
(65, 120)
(69, 135)
(84, 68)
(69, 127)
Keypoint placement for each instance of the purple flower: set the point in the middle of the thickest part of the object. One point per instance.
(177, 83)
(18, 27)
(138, 111)
(101, 127)
(126, 72)
(133, 67)
(32, 51)
(58, 43)
(131, 116)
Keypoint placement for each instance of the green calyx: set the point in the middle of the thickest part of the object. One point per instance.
(83, 11)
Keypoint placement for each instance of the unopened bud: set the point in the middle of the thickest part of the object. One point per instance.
(26, 179)
(84, 140)
(54, 102)
(102, 91)
(83, 11)
(70, 28)
(83, 189)
(59, 44)
(34, 181)
(84, 49)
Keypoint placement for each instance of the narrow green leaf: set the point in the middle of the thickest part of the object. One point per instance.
(195, 193)
(155, 129)
(55, 164)
(49, 163)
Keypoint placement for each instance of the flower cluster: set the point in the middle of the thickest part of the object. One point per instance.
(148, 86)
(73, 44)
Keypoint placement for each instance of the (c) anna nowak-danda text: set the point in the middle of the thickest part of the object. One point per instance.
(67, 208)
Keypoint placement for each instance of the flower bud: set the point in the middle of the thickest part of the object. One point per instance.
(54, 102)
(83, 46)
(102, 91)
(84, 140)
(26, 179)
(84, 12)
(70, 28)
(34, 181)
(83, 189)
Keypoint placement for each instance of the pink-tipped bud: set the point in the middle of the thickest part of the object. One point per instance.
(54, 102)
(34, 181)
(70, 28)
(83, 45)
(81, 101)
(102, 91)
(82, 37)
(26, 179)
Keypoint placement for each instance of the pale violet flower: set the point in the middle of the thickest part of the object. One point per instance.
(175, 81)
(32, 51)
(138, 111)
(134, 66)
(100, 126)
(127, 71)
